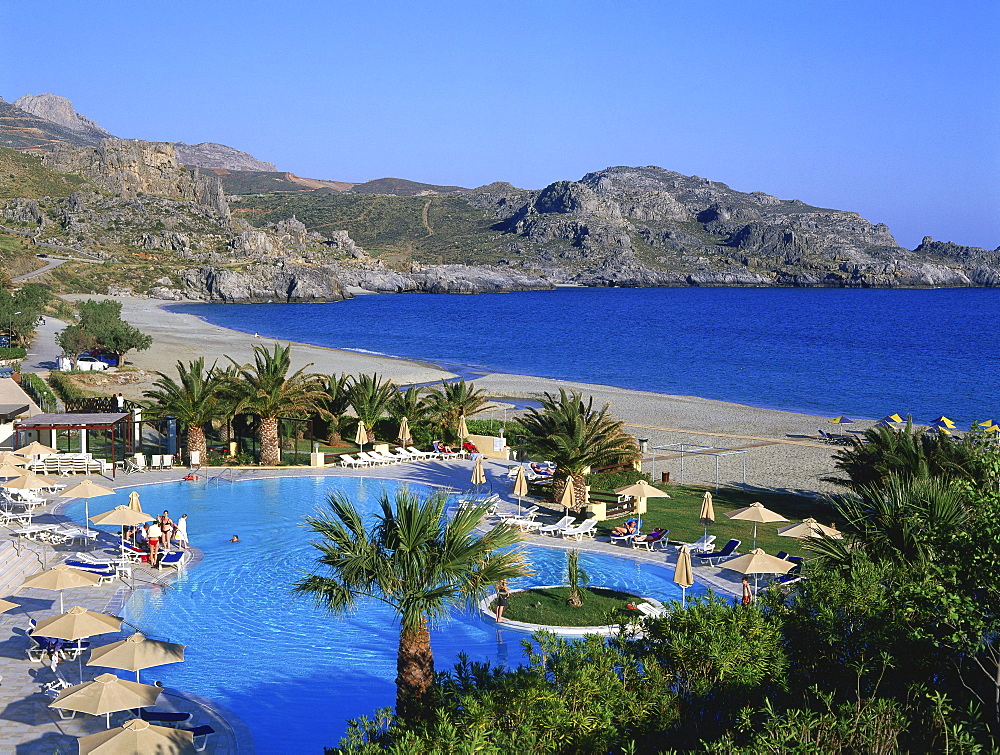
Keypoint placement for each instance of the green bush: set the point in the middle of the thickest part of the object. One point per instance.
(13, 352)
(612, 480)
(65, 388)
(39, 391)
(490, 427)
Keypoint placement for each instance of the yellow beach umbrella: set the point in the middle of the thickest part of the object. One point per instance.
(942, 420)
(404, 431)
(122, 516)
(757, 514)
(137, 736)
(520, 487)
(78, 623)
(707, 514)
(61, 577)
(478, 475)
(105, 695)
(987, 423)
(361, 436)
(36, 449)
(136, 653)
(568, 497)
(841, 421)
(683, 573)
(809, 528)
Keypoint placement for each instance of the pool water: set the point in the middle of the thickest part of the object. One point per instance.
(290, 671)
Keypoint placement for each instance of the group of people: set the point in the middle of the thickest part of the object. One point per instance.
(158, 535)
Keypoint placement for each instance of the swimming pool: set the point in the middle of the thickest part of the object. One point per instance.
(292, 673)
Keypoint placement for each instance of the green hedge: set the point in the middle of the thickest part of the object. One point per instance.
(65, 388)
(37, 388)
(13, 352)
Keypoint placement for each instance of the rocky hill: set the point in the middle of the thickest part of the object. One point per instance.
(22, 130)
(60, 111)
(212, 155)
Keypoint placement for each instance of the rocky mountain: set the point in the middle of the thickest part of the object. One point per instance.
(60, 111)
(269, 182)
(400, 187)
(22, 130)
(212, 155)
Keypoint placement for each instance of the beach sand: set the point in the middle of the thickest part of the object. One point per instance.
(782, 450)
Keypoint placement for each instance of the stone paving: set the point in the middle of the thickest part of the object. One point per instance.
(28, 725)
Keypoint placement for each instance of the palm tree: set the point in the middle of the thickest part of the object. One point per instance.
(409, 404)
(370, 396)
(452, 401)
(195, 400)
(415, 560)
(266, 390)
(576, 577)
(336, 403)
(568, 431)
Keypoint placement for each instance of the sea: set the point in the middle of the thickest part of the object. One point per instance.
(863, 353)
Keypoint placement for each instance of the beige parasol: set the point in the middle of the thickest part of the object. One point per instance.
(61, 577)
(361, 436)
(9, 457)
(478, 475)
(463, 429)
(123, 516)
(28, 481)
(757, 514)
(78, 623)
(137, 735)
(6, 605)
(683, 573)
(707, 514)
(86, 489)
(809, 528)
(758, 562)
(8, 470)
(404, 430)
(35, 449)
(520, 487)
(136, 653)
(105, 695)
(133, 501)
(568, 497)
(641, 489)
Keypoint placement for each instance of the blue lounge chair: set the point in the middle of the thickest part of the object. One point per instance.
(630, 524)
(175, 559)
(163, 717)
(727, 550)
(781, 554)
(792, 575)
(199, 731)
(100, 570)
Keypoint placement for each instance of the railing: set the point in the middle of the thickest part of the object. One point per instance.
(99, 405)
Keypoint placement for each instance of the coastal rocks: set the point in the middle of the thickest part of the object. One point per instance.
(282, 282)
(342, 240)
(450, 279)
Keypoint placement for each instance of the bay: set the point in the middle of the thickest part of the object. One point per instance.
(862, 352)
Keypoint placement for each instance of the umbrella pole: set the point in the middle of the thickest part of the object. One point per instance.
(86, 522)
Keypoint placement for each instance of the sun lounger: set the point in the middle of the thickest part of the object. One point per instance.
(176, 559)
(553, 529)
(162, 717)
(727, 550)
(633, 532)
(402, 454)
(580, 531)
(445, 454)
(650, 611)
(346, 460)
(661, 541)
(385, 456)
(199, 732)
(704, 544)
(417, 453)
(529, 513)
(106, 574)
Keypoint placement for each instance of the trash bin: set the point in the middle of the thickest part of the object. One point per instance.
(664, 476)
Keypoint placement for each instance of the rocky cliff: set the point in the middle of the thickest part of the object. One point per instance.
(219, 156)
(59, 110)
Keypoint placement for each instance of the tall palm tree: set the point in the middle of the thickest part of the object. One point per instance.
(266, 390)
(567, 430)
(335, 402)
(195, 400)
(452, 401)
(370, 396)
(409, 404)
(415, 560)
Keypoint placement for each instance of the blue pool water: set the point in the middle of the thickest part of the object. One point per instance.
(822, 351)
(292, 673)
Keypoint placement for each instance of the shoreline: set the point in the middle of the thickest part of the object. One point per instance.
(782, 450)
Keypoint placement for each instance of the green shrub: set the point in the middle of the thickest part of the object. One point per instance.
(39, 391)
(612, 480)
(489, 427)
(13, 352)
(65, 388)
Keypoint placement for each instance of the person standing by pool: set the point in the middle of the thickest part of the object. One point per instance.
(747, 592)
(503, 592)
(181, 532)
(166, 530)
(154, 533)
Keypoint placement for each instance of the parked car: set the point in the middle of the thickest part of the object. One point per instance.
(105, 356)
(4, 342)
(6, 372)
(90, 363)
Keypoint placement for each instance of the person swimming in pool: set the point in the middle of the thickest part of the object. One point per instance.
(234, 539)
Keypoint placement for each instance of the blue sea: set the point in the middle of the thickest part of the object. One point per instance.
(860, 352)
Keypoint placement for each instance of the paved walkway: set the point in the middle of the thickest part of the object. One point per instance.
(27, 725)
(43, 352)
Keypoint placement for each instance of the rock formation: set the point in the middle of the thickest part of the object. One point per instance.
(212, 155)
(59, 110)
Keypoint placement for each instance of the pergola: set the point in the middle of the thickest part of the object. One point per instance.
(694, 448)
(118, 423)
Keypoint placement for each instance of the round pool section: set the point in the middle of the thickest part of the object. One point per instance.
(293, 673)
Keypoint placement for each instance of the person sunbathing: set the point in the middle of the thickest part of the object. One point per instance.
(542, 469)
(629, 528)
(655, 535)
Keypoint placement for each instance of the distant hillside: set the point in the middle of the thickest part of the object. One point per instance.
(25, 176)
(212, 155)
(60, 111)
(267, 182)
(22, 130)
(400, 187)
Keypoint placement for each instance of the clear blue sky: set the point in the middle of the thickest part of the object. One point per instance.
(886, 108)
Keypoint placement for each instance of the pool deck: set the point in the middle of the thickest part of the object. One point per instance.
(28, 725)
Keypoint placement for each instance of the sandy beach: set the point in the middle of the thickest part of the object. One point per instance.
(782, 450)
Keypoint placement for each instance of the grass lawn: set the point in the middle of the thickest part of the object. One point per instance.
(547, 605)
(679, 514)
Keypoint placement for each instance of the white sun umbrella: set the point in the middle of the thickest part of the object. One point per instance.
(136, 653)
(520, 487)
(683, 573)
(86, 489)
(28, 481)
(404, 431)
(36, 449)
(757, 514)
(76, 624)
(9, 471)
(122, 516)
(361, 436)
(809, 528)
(9, 457)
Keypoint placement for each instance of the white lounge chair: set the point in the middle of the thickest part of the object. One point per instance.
(704, 544)
(553, 529)
(418, 454)
(651, 611)
(529, 513)
(580, 531)
(346, 460)
(388, 457)
(373, 459)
